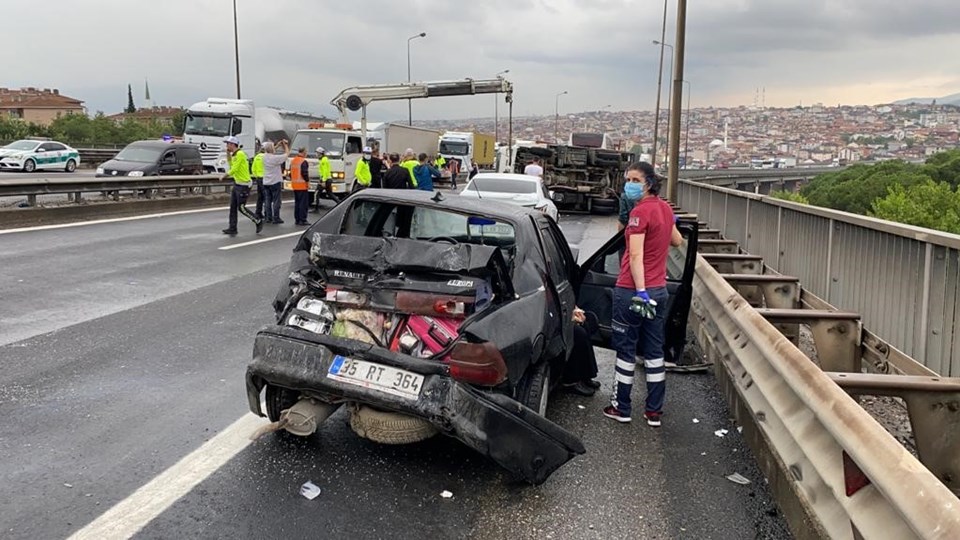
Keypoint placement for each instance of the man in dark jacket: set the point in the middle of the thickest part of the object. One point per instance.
(396, 176)
(376, 170)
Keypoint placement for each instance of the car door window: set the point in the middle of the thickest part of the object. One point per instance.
(55, 147)
(41, 148)
(556, 264)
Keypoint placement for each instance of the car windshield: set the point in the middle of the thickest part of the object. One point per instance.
(501, 185)
(311, 140)
(454, 148)
(377, 218)
(214, 126)
(141, 154)
(22, 145)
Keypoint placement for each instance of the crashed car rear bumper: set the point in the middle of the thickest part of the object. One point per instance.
(514, 436)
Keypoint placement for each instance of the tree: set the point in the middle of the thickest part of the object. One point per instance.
(925, 204)
(131, 108)
(789, 196)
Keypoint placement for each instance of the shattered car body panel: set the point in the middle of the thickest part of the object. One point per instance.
(515, 437)
(360, 273)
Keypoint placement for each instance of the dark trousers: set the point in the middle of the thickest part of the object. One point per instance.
(271, 203)
(259, 183)
(301, 203)
(634, 334)
(238, 202)
(582, 365)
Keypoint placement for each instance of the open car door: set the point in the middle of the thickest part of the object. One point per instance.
(598, 277)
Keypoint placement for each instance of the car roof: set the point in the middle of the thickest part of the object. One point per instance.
(509, 176)
(469, 205)
(162, 144)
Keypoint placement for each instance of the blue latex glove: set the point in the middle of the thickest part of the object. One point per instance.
(676, 219)
(643, 304)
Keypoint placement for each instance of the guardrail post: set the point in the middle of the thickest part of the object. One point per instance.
(779, 239)
(924, 303)
(726, 204)
(32, 200)
(746, 231)
(829, 279)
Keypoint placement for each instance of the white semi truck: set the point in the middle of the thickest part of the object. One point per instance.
(207, 123)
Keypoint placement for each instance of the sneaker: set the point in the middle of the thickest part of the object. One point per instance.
(259, 223)
(230, 231)
(613, 413)
(593, 383)
(278, 222)
(578, 388)
(653, 419)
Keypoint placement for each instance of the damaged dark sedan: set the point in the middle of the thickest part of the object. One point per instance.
(426, 315)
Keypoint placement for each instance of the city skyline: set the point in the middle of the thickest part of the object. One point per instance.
(826, 51)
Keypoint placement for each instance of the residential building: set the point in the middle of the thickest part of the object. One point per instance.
(36, 105)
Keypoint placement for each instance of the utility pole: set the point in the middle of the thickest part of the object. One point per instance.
(409, 101)
(236, 46)
(677, 102)
(656, 114)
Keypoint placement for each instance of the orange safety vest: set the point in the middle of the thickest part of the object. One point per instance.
(296, 181)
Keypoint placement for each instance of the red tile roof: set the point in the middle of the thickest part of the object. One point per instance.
(36, 98)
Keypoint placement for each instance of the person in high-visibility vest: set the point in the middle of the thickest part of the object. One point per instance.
(240, 173)
(300, 183)
(409, 162)
(440, 162)
(326, 178)
(362, 175)
(256, 171)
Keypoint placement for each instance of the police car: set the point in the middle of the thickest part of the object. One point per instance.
(29, 155)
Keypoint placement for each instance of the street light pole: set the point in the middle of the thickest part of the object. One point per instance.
(686, 135)
(409, 101)
(673, 175)
(669, 82)
(556, 121)
(496, 112)
(236, 46)
(656, 114)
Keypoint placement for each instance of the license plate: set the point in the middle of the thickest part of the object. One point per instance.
(397, 382)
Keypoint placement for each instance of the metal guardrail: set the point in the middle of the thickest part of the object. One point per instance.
(835, 471)
(903, 280)
(96, 156)
(145, 185)
(792, 172)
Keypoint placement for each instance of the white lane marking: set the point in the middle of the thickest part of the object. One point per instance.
(112, 220)
(132, 514)
(262, 240)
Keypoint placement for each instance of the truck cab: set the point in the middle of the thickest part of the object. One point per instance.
(207, 123)
(344, 147)
(457, 146)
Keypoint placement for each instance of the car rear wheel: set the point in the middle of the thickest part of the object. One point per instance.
(279, 399)
(29, 165)
(534, 388)
(71, 166)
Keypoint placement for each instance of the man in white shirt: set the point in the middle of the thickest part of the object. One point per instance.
(534, 169)
(273, 180)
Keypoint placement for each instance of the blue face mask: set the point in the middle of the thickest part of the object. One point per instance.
(633, 190)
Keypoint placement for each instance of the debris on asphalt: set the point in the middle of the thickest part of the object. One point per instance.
(696, 421)
(737, 478)
(68, 485)
(446, 494)
(310, 490)
(581, 407)
(720, 433)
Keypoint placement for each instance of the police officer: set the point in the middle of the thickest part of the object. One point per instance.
(326, 178)
(240, 173)
(362, 174)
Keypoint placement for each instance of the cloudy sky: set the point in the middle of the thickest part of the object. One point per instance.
(300, 53)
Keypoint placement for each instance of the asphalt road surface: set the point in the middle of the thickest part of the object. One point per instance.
(80, 174)
(124, 347)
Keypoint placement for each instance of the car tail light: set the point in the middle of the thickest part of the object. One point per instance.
(477, 363)
(450, 308)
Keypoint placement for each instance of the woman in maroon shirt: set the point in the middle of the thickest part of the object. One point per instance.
(640, 297)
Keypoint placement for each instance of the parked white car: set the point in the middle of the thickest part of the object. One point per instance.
(518, 189)
(29, 155)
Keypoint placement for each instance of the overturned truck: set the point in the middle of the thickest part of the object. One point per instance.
(581, 179)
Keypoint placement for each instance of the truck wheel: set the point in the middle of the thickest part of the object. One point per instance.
(279, 399)
(533, 391)
(604, 206)
(389, 427)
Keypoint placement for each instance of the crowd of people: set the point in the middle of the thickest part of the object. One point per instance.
(647, 221)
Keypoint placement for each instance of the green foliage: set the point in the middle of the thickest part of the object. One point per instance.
(925, 204)
(855, 188)
(789, 196)
(79, 129)
(944, 167)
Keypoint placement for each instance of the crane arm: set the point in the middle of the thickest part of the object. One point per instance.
(357, 97)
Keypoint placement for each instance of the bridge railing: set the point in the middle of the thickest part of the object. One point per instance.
(903, 280)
